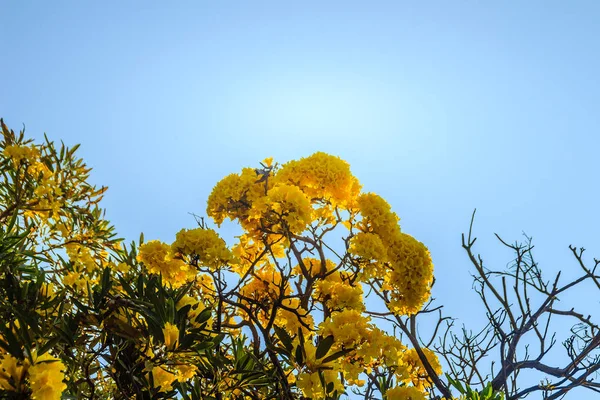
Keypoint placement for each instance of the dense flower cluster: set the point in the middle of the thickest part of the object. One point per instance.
(159, 259)
(46, 377)
(285, 212)
(44, 373)
(203, 246)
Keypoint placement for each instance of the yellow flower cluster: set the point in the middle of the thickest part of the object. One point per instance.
(322, 176)
(265, 286)
(378, 217)
(12, 373)
(411, 276)
(284, 208)
(294, 320)
(349, 328)
(47, 199)
(20, 153)
(405, 393)
(408, 272)
(339, 294)
(45, 376)
(369, 247)
(234, 195)
(199, 247)
(158, 259)
(312, 387)
(78, 282)
(164, 376)
(81, 257)
(298, 193)
(285, 212)
(381, 348)
(205, 244)
(417, 374)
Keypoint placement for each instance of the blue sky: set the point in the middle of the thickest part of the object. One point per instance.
(441, 107)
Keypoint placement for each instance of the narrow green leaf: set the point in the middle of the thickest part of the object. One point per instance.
(324, 346)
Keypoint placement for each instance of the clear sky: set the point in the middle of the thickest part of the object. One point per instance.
(441, 107)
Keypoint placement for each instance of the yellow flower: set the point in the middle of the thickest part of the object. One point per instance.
(348, 327)
(411, 275)
(321, 176)
(311, 386)
(368, 246)
(158, 259)
(185, 372)
(378, 217)
(405, 393)
(122, 267)
(12, 373)
(47, 290)
(46, 378)
(205, 244)
(163, 379)
(416, 370)
(285, 208)
(268, 161)
(171, 334)
(233, 196)
(339, 294)
(19, 153)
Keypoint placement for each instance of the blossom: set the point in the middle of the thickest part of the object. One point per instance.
(321, 176)
(12, 373)
(299, 318)
(185, 372)
(311, 386)
(285, 208)
(348, 327)
(233, 196)
(46, 377)
(418, 376)
(205, 244)
(368, 246)
(20, 153)
(411, 275)
(377, 217)
(404, 393)
(162, 378)
(158, 259)
(171, 335)
(338, 293)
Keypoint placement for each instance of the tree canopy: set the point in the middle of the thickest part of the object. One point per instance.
(318, 298)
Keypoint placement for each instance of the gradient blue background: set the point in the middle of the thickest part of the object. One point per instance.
(440, 107)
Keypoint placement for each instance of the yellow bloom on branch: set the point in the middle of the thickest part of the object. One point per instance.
(171, 334)
(12, 373)
(46, 378)
(205, 244)
(158, 259)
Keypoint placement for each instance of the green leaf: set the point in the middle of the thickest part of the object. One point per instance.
(299, 355)
(324, 346)
(487, 391)
(204, 316)
(336, 355)
(48, 345)
(285, 338)
(330, 387)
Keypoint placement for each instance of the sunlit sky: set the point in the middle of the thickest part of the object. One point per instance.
(441, 107)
